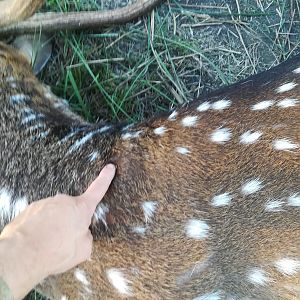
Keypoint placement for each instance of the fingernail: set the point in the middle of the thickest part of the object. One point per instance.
(111, 167)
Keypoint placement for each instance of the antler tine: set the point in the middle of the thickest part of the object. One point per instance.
(51, 22)
(15, 10)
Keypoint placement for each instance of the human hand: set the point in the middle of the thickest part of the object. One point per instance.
(50, 236)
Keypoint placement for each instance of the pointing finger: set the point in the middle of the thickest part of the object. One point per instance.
(97, 189)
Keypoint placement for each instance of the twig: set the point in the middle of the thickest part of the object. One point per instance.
(51, 22)
(95, 62)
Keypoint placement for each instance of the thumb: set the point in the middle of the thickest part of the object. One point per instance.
(97, 189)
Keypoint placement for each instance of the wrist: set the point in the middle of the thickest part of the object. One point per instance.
(16, 266)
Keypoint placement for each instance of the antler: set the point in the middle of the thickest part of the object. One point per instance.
(16, 10)
(49, 22)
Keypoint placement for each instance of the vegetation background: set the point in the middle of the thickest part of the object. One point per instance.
(181, 50)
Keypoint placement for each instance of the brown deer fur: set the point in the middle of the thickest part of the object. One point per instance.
(16, 10)
(184, 243)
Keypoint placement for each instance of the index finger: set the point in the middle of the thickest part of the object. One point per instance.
(97, 189)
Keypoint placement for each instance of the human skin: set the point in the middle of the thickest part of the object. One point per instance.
(50, 237)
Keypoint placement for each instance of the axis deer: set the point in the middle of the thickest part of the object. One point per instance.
(206, 200)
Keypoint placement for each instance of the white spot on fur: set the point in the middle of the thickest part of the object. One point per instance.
(286, 87)
(149, 208)
(221, 104)
(118, 281)
(78, 144)
(297, 71)
(35, 127)
(101, 212)
(288, 266)
(197, 229)
(252, 186)
(60, 104)
(19, 98)
(173, 115)
(182, 150)
(195, 270)
(64, 297)
(139, 230)
(43, 134)
(277, 126)
(263, 105)
(81, 276)
(104, 129)
(284, 144)
(19, 205)
(274, 206)
(125, 128)
(131, 135)
(10, 79)
(258, 276)
(250, 137)
(48, 95)
(209, 296)
(93, 156)
(294, 200)
(287, 102)
(189, 121)
(221, 135)
(221, 200)
(5, 204)
(68, 136)
(204, 106)
(30, 118)
(160, 130)
(26, 110)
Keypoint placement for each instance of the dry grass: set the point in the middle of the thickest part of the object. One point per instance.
(172, 56)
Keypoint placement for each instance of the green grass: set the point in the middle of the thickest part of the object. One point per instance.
(131, 72)
(164, 59)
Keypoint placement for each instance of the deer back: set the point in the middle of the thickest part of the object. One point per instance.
(206, 200)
